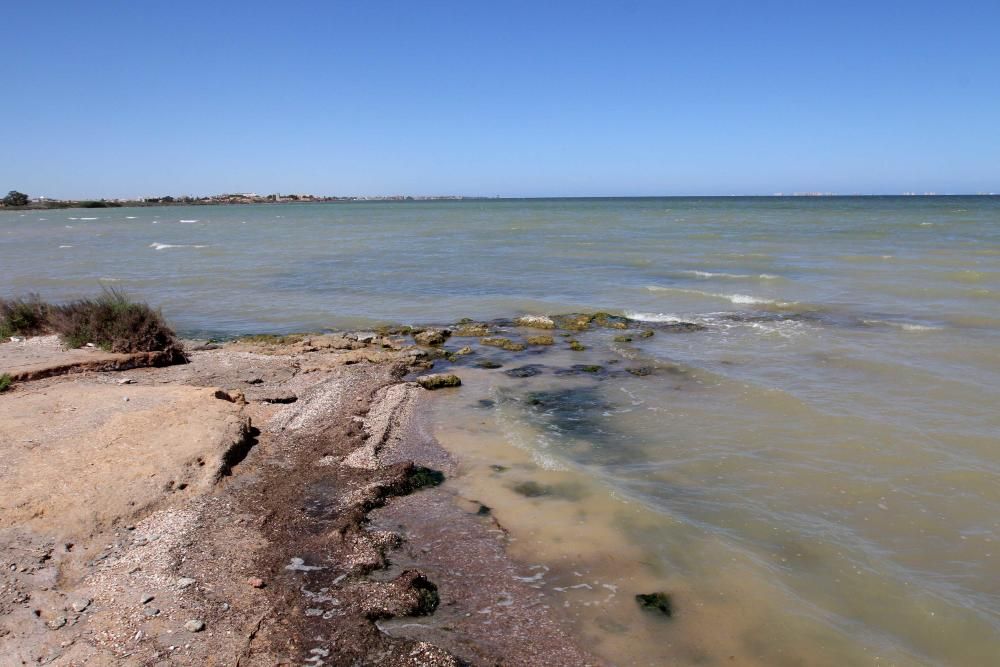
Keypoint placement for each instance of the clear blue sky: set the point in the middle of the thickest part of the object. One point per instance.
(502, 98)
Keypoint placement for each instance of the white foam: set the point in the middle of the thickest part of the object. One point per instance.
(65, 246)
(739, 299)
(732, 276)
(905, 326)
(130, 217)
(88, 218)
(189, 222)
(653, 317)
(164, 246)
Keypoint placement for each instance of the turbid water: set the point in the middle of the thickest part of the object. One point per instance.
(814, 476)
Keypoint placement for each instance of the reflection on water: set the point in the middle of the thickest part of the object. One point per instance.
(812, 471)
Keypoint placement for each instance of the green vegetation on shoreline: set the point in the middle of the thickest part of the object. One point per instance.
(111, 321)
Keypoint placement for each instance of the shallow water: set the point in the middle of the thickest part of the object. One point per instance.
(814, 477)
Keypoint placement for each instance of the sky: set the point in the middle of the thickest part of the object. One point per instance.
(124, 99)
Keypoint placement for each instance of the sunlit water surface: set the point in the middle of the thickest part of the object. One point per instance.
(814, 477)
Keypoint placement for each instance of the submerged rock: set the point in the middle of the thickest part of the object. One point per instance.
(641, 371)
(524, 371)
(464, 351)
(646, 333)
(573, 322)
(531, 489)
(503, 343)
(576, 346)
(488, 363)
(659, 603)
(623, 339)
(439, 381)
(681, 327)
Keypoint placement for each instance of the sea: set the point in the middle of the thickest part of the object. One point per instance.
(803, 455)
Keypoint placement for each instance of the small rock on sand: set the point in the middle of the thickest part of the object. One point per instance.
(56, 623)
(184, 582)
(147, 598)
(80, 605)
(194, 625)
(256, 582)
(431, 337)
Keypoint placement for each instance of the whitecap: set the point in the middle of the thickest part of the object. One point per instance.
(65, 246)
(732, 276)
(188, 222)
(130, 217)
(164, 246)
(653, 317)
(738, 299)
(905, 326)
(88, 218)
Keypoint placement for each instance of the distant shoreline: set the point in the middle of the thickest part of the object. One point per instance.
(106, 203)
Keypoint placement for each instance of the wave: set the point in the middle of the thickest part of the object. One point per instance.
(188, 222)
(65, 246)
(905, 326)
(130, 217)
(164, 246)
(735, 276)
(738, 299)
(88, 218)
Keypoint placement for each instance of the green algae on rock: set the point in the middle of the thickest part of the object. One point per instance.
(576, 346)
(539, 340)
(503, 343)
(439, 381)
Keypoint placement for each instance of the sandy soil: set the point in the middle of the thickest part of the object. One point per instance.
(260, 505)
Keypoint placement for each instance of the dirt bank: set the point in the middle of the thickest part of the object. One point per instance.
(260, 505)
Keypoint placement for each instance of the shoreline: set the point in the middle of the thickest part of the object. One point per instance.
(260, 541)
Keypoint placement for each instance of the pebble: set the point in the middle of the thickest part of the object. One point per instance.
(256, 582)
(194, 625)
(81, 604)
(56, 623)
(184, 582)
(151, 611)
(126, 381)
(148, 597)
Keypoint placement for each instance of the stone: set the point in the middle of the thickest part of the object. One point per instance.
(151, 611)
(431, 337)
(126, 381)
(576, 346)
(641, 371)
(279, 397)
(147, 598)
(439, 381)
(256, 582)
(524, 371)
(489, 363)
(194, 625)
(535, 322)
(623, 339)
(539, 340)
(503, 344)
(464, 351)
(80, 605)
(610, 321)
(659, 603)
(646, 333)
(56, 623)
(472, 329)
(184, 582)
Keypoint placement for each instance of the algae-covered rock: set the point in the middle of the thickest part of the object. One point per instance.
(589, 368)
(535, 322)
(646, 333)
(439, 381)
(503, 343)
(576, 346)
(464, 351)
(489, 363)
(658, 603)
(573, 322)
(641, 371)
(394, 330)
(432, 336)
(610, 321)
(539, 340)
(469, 329)
(623, 339)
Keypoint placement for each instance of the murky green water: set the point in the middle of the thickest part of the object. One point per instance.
(814, 477)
